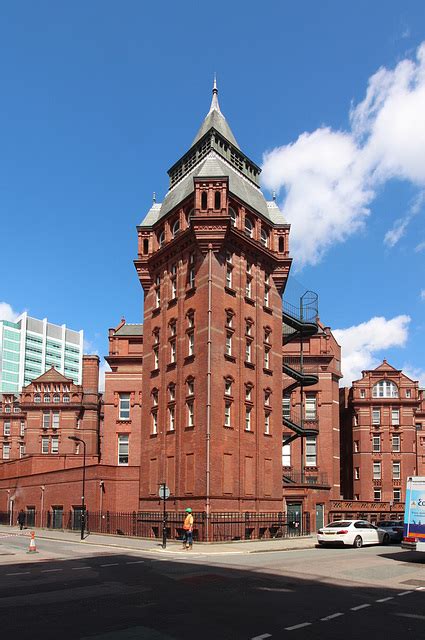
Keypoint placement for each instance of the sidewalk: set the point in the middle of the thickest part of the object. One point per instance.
(173, 546)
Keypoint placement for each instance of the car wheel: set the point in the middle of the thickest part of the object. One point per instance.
(358, 542)
(386, 539)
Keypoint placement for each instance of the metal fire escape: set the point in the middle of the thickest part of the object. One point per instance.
(299, 323)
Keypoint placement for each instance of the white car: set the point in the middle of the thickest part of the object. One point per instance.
(354, 533)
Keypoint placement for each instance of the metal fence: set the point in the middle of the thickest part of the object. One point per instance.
(219, 527)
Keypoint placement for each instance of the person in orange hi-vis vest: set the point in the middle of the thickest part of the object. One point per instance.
(188, 529)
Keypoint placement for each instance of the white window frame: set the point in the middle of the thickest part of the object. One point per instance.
(395, 417)
(396, 470)
(395, 443)
(377, 494)
(21, 450)
(376, 415)
(385, 389)
(311, 451)
(55, 419)
(228, 343)
(248, 421)
(356, 473)
(227, 413)
(46, 419)
(44, 445)
(267, 423)
(190, 413)
(191, 343)
(124, 406)
(397, 494)
(154, 422)
(286, 455)
(229, 277)
(171, 418)
(267, 358)
(228, 387)
(310, 406)
(376, 444)
(22, 428)
(123, 449)
(6, 428)
(286, 406)
(6, 451)
(248, 350)
(377, 470)
(54, 445)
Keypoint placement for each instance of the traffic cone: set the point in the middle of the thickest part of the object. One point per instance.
(32, 548)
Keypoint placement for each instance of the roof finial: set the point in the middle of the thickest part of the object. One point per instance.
(214, 102)
(153, 197)
(274, 196)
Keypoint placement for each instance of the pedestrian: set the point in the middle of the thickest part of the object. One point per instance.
(188, 529)
(21, 519)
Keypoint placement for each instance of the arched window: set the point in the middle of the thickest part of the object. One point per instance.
(249, 228)
(176, 228)
(385, 389)
(204, 200)
(233, 217)
(161, 238)
(264, 237)
(217, 200)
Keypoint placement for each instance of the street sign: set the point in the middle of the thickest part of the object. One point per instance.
(164, 492)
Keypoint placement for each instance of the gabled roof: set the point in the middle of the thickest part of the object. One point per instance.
(384, 366)
(52, 375)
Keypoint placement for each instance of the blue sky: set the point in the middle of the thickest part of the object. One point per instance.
(99, 99)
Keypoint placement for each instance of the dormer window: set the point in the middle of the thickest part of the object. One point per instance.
(264, 238)
(385, 389)
(176, 228)
(161, 238)
(249, 227)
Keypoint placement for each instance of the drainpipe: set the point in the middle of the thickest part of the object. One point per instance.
(42, 505)
(208, 434)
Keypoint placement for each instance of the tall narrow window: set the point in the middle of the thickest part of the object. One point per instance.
(396, 443)
(396, 470)
(191, 272)
(171, 392)
(55, 445)
(190, 343)
(286, 455)
(286, 406)
(397, 495)
(267, 423)
(248, 351)
(173, 281)
(310, 406)
(377, 494)
(266, 300)
(123, 449)
(124, 406)
(155, 397)
(228, 350)
(264, 238)
(46, 419)
(248, 418)
(395, 417)
(171, 418)
(267, 358)
(55, 419)
(44, 445)
(154, 422)
(176, 228)
(158, 291)
(204, 200)
(22, 428)
(376, 415)
(233, 217)
(376, 444)
(173, 350)
(249, 227)
(190, 413)
(248, 285)
(228, 387)
(310, 451)
(227, 414)
(21, 450)
(190, 387)
(156, 357)
(6, 451)
(217, 200)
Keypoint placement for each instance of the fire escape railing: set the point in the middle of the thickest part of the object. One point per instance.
(299, 323)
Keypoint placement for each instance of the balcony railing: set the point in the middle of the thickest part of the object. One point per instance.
(308, 477)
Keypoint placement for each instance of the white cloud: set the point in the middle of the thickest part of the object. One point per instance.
(420, 247)
(330, 178)
(360, 343)
(7, 313)
(415, 373)
(422, 294)
(399, 227)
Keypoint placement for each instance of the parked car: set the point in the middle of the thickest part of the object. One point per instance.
(353, 533)
(394, 528)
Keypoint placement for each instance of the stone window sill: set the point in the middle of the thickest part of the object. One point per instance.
(230, 291)
(229, 357)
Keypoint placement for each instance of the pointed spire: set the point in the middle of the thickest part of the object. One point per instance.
(214, 102)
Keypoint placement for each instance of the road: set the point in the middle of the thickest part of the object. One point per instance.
(71, 590)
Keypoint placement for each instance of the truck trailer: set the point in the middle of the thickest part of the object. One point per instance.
(414, 514)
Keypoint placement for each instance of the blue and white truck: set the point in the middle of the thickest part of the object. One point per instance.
(414, 514)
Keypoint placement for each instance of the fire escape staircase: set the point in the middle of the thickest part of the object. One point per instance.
(299, 323)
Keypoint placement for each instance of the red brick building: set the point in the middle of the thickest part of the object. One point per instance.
(382, 435)
(194, 396)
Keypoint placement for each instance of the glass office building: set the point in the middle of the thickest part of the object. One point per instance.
(29, 347)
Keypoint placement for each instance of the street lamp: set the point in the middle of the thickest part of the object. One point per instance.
(83, 507)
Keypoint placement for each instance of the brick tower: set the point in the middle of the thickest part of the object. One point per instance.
(213, 261)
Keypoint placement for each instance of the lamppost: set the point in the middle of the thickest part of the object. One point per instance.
(83, 506)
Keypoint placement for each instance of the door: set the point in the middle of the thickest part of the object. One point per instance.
(320, 513)
(294, 518)
(57, 517)
(76, 517)
(30, 520)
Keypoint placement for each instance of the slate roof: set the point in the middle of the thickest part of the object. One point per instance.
(130, 330)
(213, 165)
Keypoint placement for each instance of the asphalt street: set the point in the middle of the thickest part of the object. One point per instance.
(69, 590)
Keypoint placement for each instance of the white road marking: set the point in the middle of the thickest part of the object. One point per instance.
(385, 599)
(262, 637)
(404, 593)
(135, 562)
(111, 564)
(360, 606)
(298, 626)
(18, 573)
(50, 570)
(420, 589)
(332, 616)
(410, 615)
(80, 568)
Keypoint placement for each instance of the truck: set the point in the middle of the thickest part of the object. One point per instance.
(414, 514)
